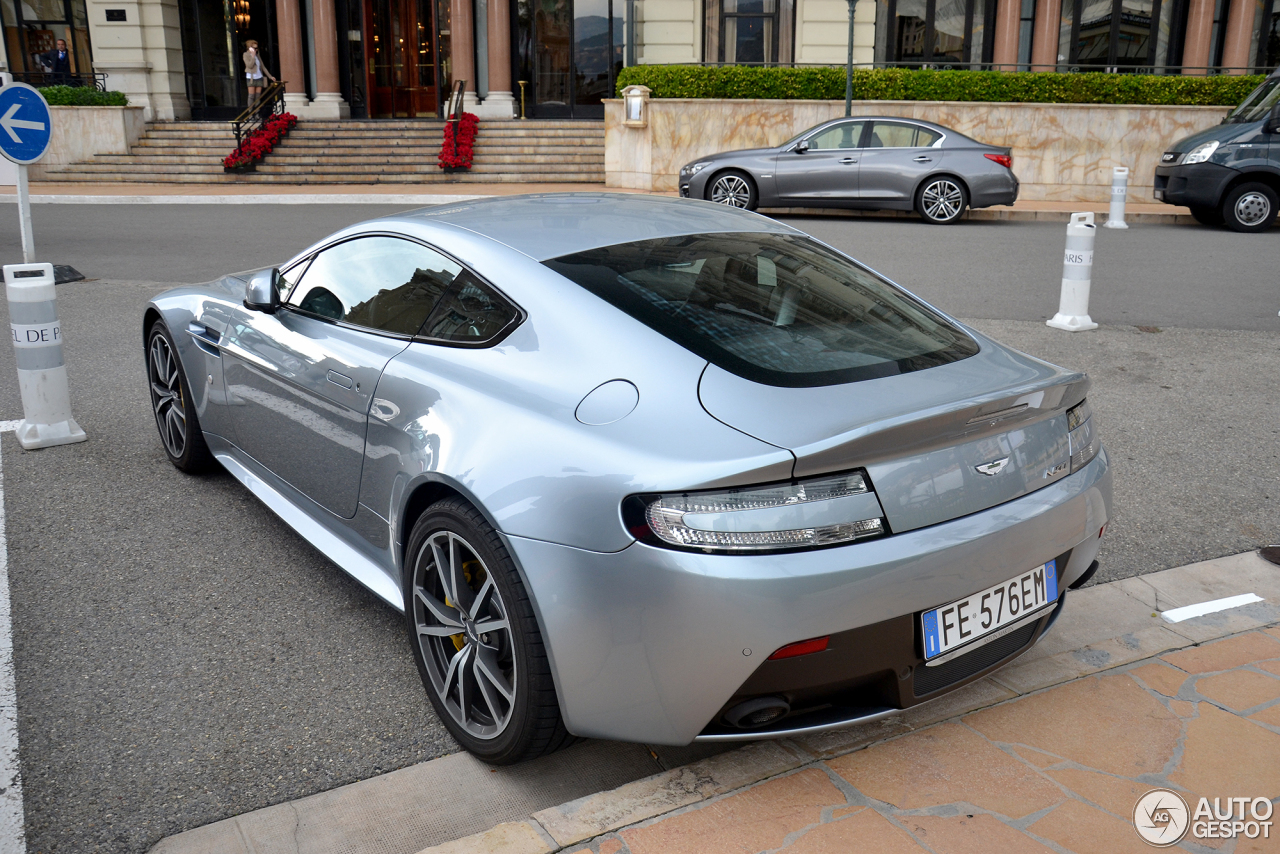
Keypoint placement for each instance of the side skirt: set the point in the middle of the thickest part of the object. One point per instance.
(355, 564)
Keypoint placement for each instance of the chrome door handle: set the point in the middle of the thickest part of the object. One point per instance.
(848, 160)
(339, 379)
(923, 159)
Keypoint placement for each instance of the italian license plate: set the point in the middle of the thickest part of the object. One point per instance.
(983, 613)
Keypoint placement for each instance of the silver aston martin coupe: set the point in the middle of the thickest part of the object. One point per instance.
(642, 468)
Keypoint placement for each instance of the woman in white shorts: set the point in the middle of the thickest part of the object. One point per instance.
(254, 70)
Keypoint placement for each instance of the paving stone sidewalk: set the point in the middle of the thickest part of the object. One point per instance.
(1059, 770)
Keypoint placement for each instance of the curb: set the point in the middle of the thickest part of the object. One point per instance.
(1108, 626)
(1002, 215)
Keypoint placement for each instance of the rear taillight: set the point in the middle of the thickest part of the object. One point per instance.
(1005, 160)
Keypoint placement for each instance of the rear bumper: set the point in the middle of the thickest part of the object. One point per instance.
(1200, 185)
(649, 644)
(997, 188)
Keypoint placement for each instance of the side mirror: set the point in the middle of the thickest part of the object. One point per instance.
(802, 146)
(262, 293)
(1272, 124)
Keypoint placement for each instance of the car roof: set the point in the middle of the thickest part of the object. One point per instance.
(549, 225)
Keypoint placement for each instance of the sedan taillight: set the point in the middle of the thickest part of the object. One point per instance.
(1005, 160)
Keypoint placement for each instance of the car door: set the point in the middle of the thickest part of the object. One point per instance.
(897, 156)
(300, 381)
(828, 170)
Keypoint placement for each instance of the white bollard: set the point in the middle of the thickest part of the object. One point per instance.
(1119, 190)
(37, 344)
(1077, 272)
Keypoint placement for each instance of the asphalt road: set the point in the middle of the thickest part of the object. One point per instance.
(182, 656)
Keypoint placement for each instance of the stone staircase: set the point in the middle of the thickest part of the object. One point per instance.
(353, 152)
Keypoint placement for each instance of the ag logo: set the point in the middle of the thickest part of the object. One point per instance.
(994, 467)
(1161, 818)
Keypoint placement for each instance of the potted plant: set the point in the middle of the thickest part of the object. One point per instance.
(259, 144)
(458, 148)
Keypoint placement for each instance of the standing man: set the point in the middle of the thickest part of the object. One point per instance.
(58, 61)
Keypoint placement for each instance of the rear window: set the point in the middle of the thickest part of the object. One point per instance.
(776, 309)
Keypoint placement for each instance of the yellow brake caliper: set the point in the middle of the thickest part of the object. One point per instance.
(472, 572)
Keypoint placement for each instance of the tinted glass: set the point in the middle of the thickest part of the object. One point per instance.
(1258, 103)
(470, 313)
(844, 135)
(926, 137)
(892, 135)
(777, 309)
(382, 283)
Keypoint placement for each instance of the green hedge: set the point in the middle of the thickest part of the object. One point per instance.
(903, 84)
(82, 96)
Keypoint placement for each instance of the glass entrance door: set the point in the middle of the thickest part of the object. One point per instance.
(403, 58)
(570, 53)
(214, 35)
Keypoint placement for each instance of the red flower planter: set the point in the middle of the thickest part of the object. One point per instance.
(259, 144)
(458, 148)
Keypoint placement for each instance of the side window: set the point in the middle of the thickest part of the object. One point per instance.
(470, 313)
(382, 283)
(844, 135)
(925, 138)
(892, 135)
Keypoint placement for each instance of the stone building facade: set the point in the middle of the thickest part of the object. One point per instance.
(397, 58)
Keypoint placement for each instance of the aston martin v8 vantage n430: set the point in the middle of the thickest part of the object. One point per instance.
(642, 468)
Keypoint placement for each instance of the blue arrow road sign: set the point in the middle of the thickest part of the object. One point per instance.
(25, 124)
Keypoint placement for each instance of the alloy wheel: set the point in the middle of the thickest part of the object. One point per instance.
(464, 633)
(1253, 208)
(942, 200)
(166, 396)
(731, 190)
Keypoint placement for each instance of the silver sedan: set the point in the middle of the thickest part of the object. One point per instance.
(865, 163)
(641, 468)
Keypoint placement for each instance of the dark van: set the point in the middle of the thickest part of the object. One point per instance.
(1230, 174)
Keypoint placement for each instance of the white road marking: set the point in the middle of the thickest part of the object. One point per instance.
(1177, 615)
(8, 426)
(12, 836)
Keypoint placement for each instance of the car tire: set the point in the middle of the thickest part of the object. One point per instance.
(1206, 215)
(942, 199)
(1250, 208)
(733, 188)
(172, 404)
(490, 681)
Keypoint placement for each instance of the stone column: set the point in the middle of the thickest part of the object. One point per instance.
(1235, 52)
(1008, 21)
(1044, 39)
(328, 101)
(500, 103)
(289, 46)
(1196, 47)
(462, 51)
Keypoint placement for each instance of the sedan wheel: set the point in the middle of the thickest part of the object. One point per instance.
(1250, 207)
(476, 641)
(734, 189)
(172, 405)
(941, 201)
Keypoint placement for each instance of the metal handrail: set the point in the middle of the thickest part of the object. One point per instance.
(41, 79)
(267, 104)
(453, 107)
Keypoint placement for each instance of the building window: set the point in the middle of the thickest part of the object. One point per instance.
(1110, 35)
(1269, 42)
(32, 29)
(937, 31)
(749, 31)
(1026, 29)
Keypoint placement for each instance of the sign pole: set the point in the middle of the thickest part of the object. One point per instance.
(24, 216)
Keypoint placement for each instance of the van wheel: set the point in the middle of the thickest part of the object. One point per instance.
(1250, 207)
(1206, 216)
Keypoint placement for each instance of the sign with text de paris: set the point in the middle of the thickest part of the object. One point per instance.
(25, 123)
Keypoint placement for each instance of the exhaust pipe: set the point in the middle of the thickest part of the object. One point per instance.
(757, 713)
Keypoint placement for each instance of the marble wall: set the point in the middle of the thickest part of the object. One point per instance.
(1061, 152)
(81, 132)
